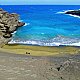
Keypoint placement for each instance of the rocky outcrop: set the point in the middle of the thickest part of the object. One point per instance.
(8, 24)
(74, 12)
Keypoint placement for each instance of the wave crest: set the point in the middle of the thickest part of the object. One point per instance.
(57, 41)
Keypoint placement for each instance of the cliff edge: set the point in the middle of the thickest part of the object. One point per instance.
(9, 22)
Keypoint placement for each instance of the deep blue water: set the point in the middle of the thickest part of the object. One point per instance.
(45, 25)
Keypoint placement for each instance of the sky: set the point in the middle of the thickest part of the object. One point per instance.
(39, 2)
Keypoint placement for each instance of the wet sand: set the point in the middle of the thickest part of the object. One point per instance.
(23, 67)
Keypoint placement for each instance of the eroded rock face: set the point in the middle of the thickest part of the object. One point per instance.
(8, 24)
(74, 12)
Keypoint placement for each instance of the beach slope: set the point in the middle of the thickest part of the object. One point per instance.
(40, 50)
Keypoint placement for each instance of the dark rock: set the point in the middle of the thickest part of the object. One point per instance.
(27, 53)
(58, 68)
(7, 35)
(20, 24)
(74, 12)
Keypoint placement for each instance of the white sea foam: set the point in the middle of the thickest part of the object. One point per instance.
(73, 44)
(64, 11)
(44, 44)
(42, 33)
(54, 42)
(21, 20)
(74, 15)
(14, 32)
(26, 24)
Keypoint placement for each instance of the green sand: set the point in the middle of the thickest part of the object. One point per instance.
(39, 50)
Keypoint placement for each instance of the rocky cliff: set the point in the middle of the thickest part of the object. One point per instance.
(74, 12)
(8, 24)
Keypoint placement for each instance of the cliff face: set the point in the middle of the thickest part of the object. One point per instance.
(74, 12)
(8, 24)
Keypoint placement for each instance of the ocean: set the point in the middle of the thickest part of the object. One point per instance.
(46, 25)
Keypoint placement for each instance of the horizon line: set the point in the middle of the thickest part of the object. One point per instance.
(41, 4)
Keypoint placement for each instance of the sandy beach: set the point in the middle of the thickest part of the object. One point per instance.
(40, 50)
(19, 62)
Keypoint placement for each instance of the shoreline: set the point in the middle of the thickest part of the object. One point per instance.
(40, 50)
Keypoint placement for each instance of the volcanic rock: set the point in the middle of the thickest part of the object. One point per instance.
(9, 22)
(74, 12)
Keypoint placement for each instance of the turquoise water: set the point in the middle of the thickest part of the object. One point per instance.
(46, 25)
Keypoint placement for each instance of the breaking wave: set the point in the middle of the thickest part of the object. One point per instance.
(57, 41)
